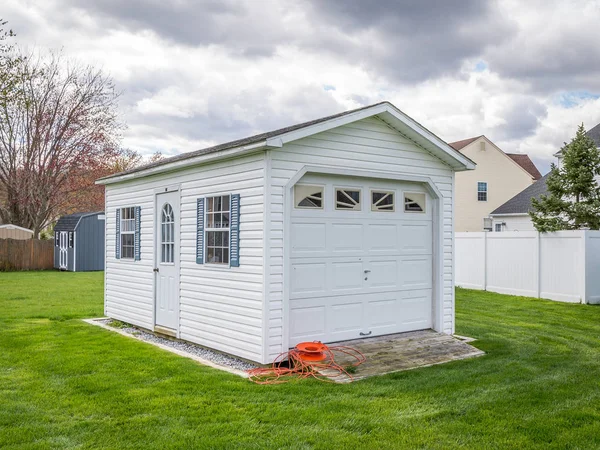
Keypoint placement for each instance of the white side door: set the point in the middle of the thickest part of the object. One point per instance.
(167, 260)
(63, 253)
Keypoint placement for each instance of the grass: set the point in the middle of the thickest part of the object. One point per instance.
(66, 384)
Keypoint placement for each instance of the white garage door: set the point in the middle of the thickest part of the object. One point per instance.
(361, 259)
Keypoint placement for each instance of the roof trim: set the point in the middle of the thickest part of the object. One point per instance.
(385, 110)
(17, 227)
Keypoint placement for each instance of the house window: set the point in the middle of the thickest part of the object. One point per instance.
(347, 199)
(217, 229)
(414, 202)
(127, 230)
(482, 191)
(71, 239)
(382, 201)
(498, 227)
(308, 197)
(167, 243)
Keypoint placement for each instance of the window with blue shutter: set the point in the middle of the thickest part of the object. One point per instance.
(136, 244)
(200, 231)
(118, 234)
(234, 233)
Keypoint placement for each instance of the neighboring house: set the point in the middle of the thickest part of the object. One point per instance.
(9, 231)
(79, 242)
(498, 177)
(514, 214)
(330, 230)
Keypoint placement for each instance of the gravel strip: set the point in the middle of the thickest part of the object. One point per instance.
(210, 355)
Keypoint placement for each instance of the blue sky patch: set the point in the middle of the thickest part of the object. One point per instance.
(328, 87)
(480, 66)
(573, 98)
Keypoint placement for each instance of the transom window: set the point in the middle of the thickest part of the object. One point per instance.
(217, 229)
(414, 202)
(127, 232)
(482, 191)
(308, 197)
(348, 199)
(382, 201)
(167, 254)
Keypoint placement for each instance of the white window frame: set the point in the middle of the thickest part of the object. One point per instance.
(382, 191)
(208, 230)
(482, 192)
(423, 206)
(498, 227)
(127, 227)
(316, 186)
(357, 207)
(167, 230)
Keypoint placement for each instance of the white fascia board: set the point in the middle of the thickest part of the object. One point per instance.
(178, 165)
(509, 215)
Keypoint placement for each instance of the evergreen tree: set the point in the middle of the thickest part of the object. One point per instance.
(573, 199)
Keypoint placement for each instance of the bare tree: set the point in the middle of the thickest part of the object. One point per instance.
(57, 119)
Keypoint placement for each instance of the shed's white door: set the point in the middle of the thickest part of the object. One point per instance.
(360, 264)
(167, 260)
(63, 250)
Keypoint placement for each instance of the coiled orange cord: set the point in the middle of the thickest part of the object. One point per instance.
(289, 365)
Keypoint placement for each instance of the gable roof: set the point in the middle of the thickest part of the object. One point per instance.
(458, 145)
(521, 159)
(10, 226)
(526, 163)
(70, 221)
(273, 139)
(521, 203)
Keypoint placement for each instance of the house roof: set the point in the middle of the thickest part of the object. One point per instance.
(526, 163)
(520, 158)
(70, 221)
(521, 203)
(458, 145)
(272, 139)
(10, 226)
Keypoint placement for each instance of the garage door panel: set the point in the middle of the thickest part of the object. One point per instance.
(382, 238)
(416, 310)
(309, 238)
(344, 317)
(383, 274)
(416, 273)
(307, 323)
(309, 278)
(416, 237)
(346, 237)
(346, 275)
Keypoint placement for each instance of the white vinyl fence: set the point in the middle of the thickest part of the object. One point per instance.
(563, 266)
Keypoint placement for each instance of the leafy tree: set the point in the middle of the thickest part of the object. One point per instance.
(573, 199)
(57, 119)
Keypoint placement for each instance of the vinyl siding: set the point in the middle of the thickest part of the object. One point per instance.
(369, 144)
(220, 307)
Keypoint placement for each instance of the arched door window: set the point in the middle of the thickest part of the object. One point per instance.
(167, 234)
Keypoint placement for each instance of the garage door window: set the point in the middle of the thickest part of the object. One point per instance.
(382, 201)
(347, 199)
(414, 202)
(308, 197)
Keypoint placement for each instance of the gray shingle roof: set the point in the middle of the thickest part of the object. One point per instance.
(70, 221)
(521, 203)
(240, 142)
(594, 133)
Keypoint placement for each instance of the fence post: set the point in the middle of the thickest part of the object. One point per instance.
(485, 260)
(584, 268)
(538, 264)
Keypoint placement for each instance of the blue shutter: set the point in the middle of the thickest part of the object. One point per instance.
(234, 235)
(200, 231)
(118, 235)
(136, 239)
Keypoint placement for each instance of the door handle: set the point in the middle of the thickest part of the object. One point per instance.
(367, 271)
(156, 270)
(365, 334)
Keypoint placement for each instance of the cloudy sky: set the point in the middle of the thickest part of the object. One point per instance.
(197, 73)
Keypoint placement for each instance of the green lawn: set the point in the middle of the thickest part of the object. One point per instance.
(66, 384)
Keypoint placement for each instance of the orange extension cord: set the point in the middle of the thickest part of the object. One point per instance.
(297, 367)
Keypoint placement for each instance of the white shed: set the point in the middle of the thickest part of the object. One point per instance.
(329, 230)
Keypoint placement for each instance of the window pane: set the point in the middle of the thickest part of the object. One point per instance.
(225, 220)
(347, 199)
(308, 196)
(382, 201)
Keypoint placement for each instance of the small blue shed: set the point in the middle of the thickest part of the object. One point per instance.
(79, 242)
